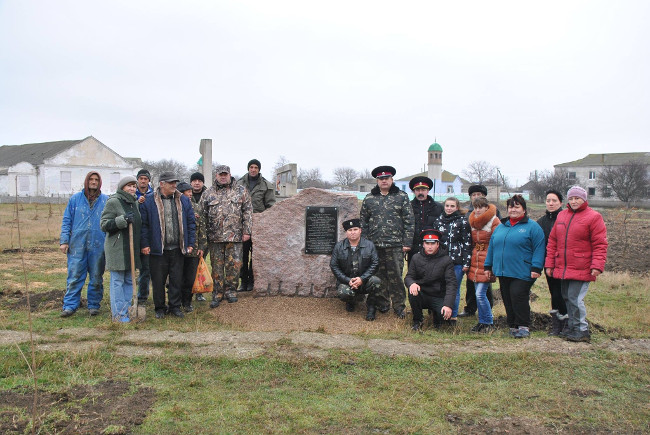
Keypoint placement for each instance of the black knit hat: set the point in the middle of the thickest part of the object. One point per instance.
(477, 188)
(197, 176)
(254, 162)
(145, 173)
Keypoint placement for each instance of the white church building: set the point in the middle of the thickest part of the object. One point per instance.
(59, 168)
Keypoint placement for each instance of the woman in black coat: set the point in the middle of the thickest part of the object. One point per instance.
(558, 306)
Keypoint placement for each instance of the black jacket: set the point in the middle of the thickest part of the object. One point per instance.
(547, 221)
(434, 274)
(341, 261)
(456, 236)
(423, 211)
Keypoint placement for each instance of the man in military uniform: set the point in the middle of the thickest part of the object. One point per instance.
(354, 261)
(424, 207)
(228, 214)
(387, 219)
(262, 194)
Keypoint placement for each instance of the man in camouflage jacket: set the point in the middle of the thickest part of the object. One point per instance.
(228, 213)
(387, 220)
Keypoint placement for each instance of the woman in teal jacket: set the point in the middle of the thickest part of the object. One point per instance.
(120, 211)
(516, 256)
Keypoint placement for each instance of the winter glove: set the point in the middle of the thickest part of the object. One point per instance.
(128, 218)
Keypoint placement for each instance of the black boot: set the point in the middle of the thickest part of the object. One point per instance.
(243, 286)
(372, 311)
(556, 324)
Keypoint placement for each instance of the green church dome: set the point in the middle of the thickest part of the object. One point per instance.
(435, 147)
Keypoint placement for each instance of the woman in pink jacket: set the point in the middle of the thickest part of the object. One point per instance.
(576, 254)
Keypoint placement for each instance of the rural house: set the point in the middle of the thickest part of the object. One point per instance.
(586, 171)
(59, 168)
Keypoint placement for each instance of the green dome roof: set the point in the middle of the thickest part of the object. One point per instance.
(435, 147)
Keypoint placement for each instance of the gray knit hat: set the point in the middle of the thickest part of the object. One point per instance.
(126, 180)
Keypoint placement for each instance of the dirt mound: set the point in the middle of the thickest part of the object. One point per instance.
(80, 409)
(46, 300)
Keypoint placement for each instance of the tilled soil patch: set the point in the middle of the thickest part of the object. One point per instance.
(82, 409)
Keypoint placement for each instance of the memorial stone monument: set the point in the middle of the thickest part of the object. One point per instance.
(293, 241)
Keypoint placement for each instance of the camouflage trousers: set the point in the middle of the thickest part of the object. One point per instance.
(390, 271)
(225, 259)
(370, 288)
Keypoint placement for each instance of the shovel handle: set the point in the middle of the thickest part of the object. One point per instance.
(131, 251)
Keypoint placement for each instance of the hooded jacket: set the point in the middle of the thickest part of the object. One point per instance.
(482, 227)
(80, 228)
(577, 244)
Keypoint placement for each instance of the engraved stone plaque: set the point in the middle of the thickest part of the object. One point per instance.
(321, 225)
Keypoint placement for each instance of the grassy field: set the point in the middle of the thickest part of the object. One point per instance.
(88, 384)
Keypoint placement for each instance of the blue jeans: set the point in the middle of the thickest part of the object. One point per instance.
(458, 270)
(483, 304)
(121, 291)
(82, 263)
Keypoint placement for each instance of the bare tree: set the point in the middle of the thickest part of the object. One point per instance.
(311, 178)
(480, 172)
(629, 182)
(345, 176)
(365, 174)
(546, 180)
(282, 160)
(156, 167)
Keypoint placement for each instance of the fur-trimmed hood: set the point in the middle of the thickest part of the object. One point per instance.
(479, 222)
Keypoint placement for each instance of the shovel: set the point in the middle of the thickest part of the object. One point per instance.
(138, 313)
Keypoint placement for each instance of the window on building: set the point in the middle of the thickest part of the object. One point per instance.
(66, 181)
(592, 191)
(115, 179)
(450, 189)
(362, 188)
(571, 175)
(607, 192)
(23, 183)
(592, 175)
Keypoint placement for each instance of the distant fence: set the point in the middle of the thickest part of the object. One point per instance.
(54, 199)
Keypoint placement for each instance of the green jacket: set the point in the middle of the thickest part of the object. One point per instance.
(387, 220)
(112, 222)
(262, 195)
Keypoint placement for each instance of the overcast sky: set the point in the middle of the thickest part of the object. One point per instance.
(523, 85)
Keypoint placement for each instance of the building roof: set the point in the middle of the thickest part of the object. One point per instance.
(435, 147)
(446, 176)
(611, 159)
(34, 153)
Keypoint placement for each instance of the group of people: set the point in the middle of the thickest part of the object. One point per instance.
(169, 229)
(443, 242)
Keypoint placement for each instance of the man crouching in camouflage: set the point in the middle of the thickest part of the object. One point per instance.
(228, 216)
(387, 219)
(354, 260)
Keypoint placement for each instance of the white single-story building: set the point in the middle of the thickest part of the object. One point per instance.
(59, 168)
